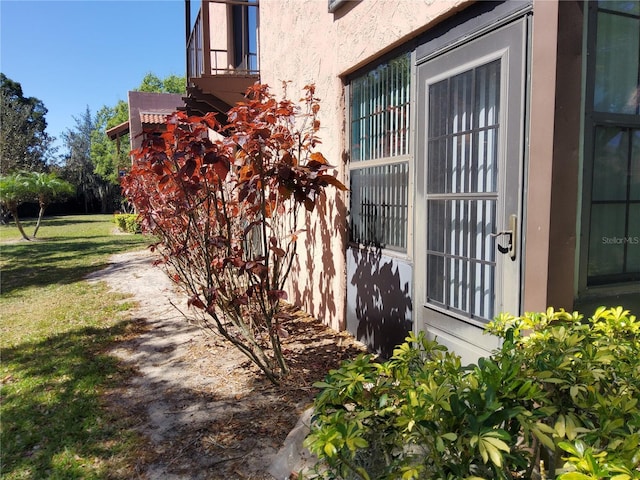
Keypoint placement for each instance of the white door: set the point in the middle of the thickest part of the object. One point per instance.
(469, 170)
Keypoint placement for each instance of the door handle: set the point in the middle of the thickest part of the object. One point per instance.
(511, 235)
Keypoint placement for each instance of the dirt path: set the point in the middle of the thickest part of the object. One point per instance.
(206, 411)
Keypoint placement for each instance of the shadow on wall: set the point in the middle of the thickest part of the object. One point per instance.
(316, 294)
(379, 302)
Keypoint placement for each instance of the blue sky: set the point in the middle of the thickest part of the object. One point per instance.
(74, 54)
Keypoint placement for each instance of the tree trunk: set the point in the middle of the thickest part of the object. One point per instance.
(104, 200)
(14, 212)
(40, 214)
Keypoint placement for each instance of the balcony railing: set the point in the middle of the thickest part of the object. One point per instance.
(223, 40)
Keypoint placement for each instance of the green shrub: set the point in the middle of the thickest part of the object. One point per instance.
(560, 393)
(127, 222)
(590, 375)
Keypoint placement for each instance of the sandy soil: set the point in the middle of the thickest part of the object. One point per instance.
(205, 409)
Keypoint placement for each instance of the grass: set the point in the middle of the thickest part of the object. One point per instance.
(55, 333)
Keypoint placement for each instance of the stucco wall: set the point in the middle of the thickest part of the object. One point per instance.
(302, 43)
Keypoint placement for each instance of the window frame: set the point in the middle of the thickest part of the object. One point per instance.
(592, 120)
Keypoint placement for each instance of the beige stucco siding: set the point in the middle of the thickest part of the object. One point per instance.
(302, 43)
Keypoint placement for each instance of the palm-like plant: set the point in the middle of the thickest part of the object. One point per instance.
(48, 188)
(20, 187)
(16, 189)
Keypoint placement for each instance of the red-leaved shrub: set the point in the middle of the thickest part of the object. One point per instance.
(225, 207)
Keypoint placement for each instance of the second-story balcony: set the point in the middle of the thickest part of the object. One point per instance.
(222, 53)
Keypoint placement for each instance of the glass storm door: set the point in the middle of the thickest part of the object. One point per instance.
(469, 176)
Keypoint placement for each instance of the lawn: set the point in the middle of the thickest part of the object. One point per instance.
(55, 333)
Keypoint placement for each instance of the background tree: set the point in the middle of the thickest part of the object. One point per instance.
(107, 160)
(79, 168)
(175, 84)
(24, 143)
(150, 83)
(104, 154)
(170, 84)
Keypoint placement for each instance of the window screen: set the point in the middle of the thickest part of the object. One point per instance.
(462, 165)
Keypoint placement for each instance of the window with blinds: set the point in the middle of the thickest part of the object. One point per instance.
(379, 117)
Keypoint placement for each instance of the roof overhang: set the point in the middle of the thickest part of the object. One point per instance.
(118, 131)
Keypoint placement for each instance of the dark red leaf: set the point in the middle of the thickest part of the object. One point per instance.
(237, 262)
(285, 173)
(189, 167)
(309, 204)
(277, 294)
(257, 268)
(158, 168)
(196, 302)
(331, 180)
(240, 300)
